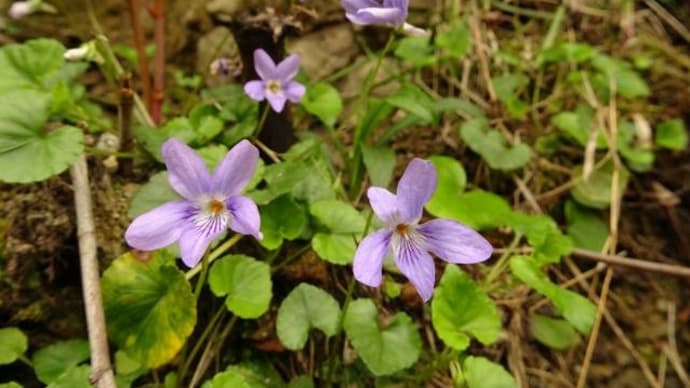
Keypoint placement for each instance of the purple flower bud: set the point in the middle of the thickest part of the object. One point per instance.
(410, 242)
(391, 13)
(277, 83)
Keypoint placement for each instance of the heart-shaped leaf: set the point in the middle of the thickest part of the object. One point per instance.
(306, 307)
(384, 350)
(492, 146)
(380, 162)
(451, 183)
(671, 134)
(479, 372)
(578, 310)
(30, 64)
(28, 151)
(595, 192)
(334, 248)
(282, 218)
(587, 230)
(323, 101)
(54, 360)
(149, 306)
(245, 281)
(455, 39)
(552, 332)
(74, 377)
(460, 310)
(338, 216)
(478, 209)
(13, 344)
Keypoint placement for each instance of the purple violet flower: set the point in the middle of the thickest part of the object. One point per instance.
(391, 13)
(210, 203)
(410, 242)
(276, 84)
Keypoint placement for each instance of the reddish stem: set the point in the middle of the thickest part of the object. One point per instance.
(142, 58)
(159, 70)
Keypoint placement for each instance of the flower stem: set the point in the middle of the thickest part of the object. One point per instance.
(202, 278)
(214, 255)
(502, 261)
(356, 162)
(262, 120)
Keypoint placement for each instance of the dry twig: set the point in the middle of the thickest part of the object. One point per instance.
(101, 370)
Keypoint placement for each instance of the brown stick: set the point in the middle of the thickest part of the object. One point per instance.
(125, 122)
(668, 269)
(142, 59)
(159, 71)
(101, 370)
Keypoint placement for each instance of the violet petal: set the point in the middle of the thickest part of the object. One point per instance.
(236, 169)
(256, 90)
(368, 263)
(418, 266)
(264, 65)
(159, 227)
(385, 205)
(415, 188)
(287, 69)
(454, 242)
(187, 172)
(193, 244)
(277, 101)
(294, 91)
(245, 217)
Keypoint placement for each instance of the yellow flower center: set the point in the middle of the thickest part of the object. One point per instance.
(216, 207)
(273, 86)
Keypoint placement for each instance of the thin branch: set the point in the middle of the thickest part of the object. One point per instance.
(142, 58)
(159, 71)
(668, 269)
(101, 370)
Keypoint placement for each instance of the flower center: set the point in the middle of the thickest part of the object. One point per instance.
(216, 207)
(403, 229)
(273, 86)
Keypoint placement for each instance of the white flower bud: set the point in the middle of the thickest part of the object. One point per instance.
(76, 54)
(19, 9)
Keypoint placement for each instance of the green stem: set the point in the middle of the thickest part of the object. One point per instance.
(502, 261)
(355, 163)
(202, 278)
(262, 120)
(202, 339)
(215, 254)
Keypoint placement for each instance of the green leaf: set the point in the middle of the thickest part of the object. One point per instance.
(671, 134)
(451, 183)
(417, 50)
(507, 88)
(149, 307)
(54, 360)
(543, 234)
(380, 162)
(334, 248)
(245, 281)
(460, 310)
(414, 100)
(477, 209)
(554, 333)
(74, 377)
(585, 227)
(577, 126)
(302, 381)
(13, 344)
(11, 384)
(338, 216)
(492, 146)
(455, 39)
(306, 307)
(152, 194)
(638, 158)
(384, 350)
(282, 218)
(628, 82)
(323, 101)
(568, 52)
(595, 192)
(578, 310)
(28, 152)
(479, 372)
(459, 106)
(30, 64)
(246, 375)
